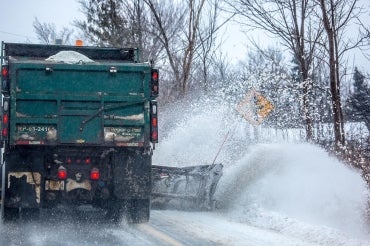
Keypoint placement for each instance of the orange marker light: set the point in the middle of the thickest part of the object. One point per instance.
(79, 42)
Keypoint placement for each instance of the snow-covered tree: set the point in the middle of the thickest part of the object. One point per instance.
(358, 104)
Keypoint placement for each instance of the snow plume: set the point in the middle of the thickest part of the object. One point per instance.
(196, 136)
(294, 188)
(285, 186)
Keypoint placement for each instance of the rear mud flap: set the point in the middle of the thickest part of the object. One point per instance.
(132, 176)
(23, 189)
(185, 188)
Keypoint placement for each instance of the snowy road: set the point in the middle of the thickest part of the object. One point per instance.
(165, 228)
(215, 229)
(276, 194)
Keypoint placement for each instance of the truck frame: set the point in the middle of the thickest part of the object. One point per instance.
(77, 133)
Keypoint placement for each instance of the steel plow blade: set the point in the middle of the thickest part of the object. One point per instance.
(185, 188)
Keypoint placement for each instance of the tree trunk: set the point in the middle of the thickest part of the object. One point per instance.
(306, 110)
(334, 77)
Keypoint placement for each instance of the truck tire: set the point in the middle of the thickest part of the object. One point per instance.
(115, 211)
(11, 214)
(138, 211)
(30, 214)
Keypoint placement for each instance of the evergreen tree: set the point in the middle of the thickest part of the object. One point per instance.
(358, 104)
(105, 24)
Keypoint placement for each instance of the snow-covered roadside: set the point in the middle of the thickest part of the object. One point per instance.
(298, 191)
(293, 189)
(280, 194)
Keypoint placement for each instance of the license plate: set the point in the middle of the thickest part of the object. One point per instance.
(54, 185)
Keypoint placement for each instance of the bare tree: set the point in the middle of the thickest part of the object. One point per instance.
(208, 45)
(141, 33)
(168, 20)
(336, 16)
(293, 24)
(47, 33)
(183, 35)
(172, 34)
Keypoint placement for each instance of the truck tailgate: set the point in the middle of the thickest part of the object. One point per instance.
(79, 104)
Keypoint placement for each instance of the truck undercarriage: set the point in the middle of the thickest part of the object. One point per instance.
(108, 179)
(123, 186)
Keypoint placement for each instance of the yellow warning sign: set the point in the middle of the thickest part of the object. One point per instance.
(254, 107)
(264, 106)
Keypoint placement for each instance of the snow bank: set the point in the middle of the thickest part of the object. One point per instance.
(275, 186)
(69, 57)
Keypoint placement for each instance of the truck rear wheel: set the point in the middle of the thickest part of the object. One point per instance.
(29, 214)
(115, 211)
(138, 211)
(11, 214)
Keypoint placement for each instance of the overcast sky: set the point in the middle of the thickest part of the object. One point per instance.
(17, 16)
(16, 22)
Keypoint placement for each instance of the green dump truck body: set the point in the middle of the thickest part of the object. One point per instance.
(57, 114)
(92, 104)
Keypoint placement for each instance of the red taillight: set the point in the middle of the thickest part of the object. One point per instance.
(87, 160)
(154, 82)
(69, 160)
(94, 174)
(154, 122)
(154, 137)
(4, 71)
(155, 74)
(5, 80)
(5, 132)
(5, 119)
(62, 173)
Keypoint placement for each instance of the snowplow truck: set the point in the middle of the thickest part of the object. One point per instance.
(78, 128)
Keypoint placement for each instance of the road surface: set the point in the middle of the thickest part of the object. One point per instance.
(166, 227)
(275, 195)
